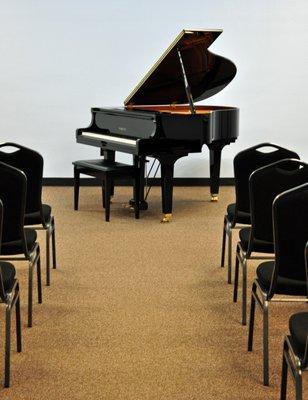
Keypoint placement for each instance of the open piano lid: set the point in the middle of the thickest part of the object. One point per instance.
(207, 73)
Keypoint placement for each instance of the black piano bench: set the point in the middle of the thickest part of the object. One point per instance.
(108, 171)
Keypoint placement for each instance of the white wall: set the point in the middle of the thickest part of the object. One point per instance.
(60, 58)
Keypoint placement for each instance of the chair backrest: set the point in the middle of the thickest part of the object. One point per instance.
(2, 291)
(305, 359)
(249, 160)
(13, 188)
(264, 185)
(290, 211)
(31, 163)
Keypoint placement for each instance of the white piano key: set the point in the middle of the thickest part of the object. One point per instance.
(115, 139)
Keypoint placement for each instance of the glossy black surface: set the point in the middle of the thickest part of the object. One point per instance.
(207, 73)
(169, 132)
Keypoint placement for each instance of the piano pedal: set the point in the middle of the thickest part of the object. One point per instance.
(214, 197)
(166, 218)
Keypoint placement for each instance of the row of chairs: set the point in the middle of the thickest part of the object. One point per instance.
(272, 198)
(21, 175)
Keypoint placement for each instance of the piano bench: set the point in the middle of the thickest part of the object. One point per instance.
(108, 171)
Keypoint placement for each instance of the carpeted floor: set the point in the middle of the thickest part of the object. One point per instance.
(141, 310)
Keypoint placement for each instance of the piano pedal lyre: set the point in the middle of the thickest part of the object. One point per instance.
(214, 197)
(166, 218)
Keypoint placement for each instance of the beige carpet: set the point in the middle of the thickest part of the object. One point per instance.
(141, 310)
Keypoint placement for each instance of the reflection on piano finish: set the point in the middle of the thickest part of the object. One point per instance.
(160, 119)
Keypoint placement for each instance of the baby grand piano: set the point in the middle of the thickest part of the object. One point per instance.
(160, 118)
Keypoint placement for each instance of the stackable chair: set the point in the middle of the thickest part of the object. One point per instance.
(295, 354)
(284, 279)
(264, 185)
(9, 295)
(37, 214)
(244, 164)
(108, 171)
(15, 239)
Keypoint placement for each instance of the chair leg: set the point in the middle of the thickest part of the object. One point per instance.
(244, 292)
(298, 387)
(230, 255)
(7, 346)
(53, 239)
(265, 345)
(235, 290)
(30, 294)
(18, 322)
(76, 188)
(252, 317)
(223, 246)
(284, 375)
(39, 277)
(48, 256)
(107, 198)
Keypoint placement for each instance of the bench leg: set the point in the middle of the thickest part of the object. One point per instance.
(103, 194)
(137, 195)
(107, 191)
(76, 188)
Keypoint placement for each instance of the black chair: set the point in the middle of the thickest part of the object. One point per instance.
(37, 214)
(108, 171)
(15, 239)
(284, 279)
(264, 185)
(295, 354)
(9, 295)
(244, 164)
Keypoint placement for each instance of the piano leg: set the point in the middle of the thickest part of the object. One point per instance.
(215, 157)
(167, 170)
(139, 161)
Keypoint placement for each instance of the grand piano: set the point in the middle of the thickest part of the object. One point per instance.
(160, 118)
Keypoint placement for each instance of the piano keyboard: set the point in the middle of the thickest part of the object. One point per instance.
(114, 139)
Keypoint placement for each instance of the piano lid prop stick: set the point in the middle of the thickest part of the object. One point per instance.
(187, 87)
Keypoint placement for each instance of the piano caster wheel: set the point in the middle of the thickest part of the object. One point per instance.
(214, 197)
(166, 218)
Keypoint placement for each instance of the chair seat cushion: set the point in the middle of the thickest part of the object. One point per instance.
(259, 246)
(15, 246)
(34, 218)
(242, 217)
(8, 275)
(298, 325)
(284, 285)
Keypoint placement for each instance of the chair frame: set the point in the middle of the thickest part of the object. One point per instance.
(243, 256)
(296, 366)
(34, 261)
(11, 299)
(228, 225)
(263, 300)
(33, 257)
(291, 360)
(50, 229)
(48, 226)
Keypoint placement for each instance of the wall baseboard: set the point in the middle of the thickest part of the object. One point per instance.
(151, 181)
